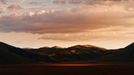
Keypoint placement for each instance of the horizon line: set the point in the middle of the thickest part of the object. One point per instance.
(62, 47)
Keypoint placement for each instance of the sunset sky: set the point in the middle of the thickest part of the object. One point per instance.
(39, 23)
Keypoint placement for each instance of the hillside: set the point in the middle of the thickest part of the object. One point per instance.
(10, 54)
(78, 53)
(121, 55)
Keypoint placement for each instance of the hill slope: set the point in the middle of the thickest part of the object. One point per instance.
(121, 55)
(10, 54)
(78, 53)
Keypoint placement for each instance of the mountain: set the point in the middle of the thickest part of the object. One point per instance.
(121, 55)
(78, 53)
(74, 53)
(10, 54)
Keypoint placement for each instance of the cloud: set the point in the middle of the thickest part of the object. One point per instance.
(3, 1)
(108, 33)
(71, 20)
(1, 12)
(14, 7)
(88, 1)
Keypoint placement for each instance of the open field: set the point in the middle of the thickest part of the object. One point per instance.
(67, 69)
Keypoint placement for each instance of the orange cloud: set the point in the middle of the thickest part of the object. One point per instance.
(67, 21)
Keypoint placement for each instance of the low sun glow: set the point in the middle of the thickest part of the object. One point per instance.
(34, 24)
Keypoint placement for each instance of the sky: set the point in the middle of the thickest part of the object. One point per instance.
(39, 23)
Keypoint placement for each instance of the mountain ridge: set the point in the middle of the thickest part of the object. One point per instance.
(78, 53)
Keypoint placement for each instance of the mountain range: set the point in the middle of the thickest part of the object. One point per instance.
(75, 54)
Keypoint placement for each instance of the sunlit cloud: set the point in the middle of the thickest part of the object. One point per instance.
(14, 7)
(3, 1)
(96, 21)
(68, 20)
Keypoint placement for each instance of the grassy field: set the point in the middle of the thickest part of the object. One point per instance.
(66, 69)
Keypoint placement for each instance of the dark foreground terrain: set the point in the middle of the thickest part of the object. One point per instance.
(67, 69)
(75, 54)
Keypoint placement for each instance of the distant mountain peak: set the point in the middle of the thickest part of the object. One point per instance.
(81, 46)
(56, 47)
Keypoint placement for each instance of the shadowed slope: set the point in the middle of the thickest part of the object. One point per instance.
(122, 55)
(76, 53)
(10, 54)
